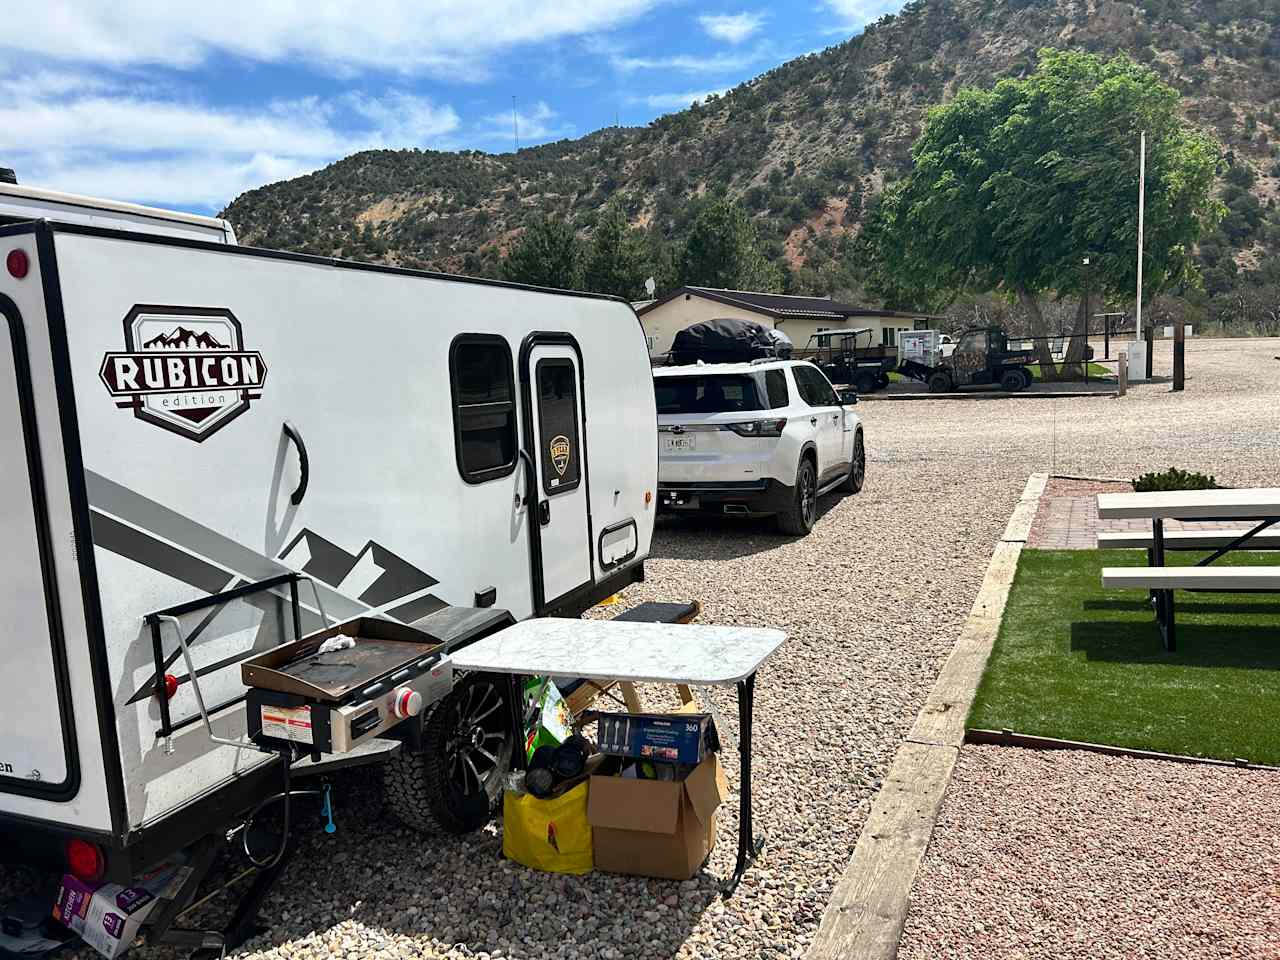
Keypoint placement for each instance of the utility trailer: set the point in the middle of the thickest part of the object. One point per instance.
(212, 450)
(846, 360)
(981, 356)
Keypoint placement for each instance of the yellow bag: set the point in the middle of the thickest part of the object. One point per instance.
(551, 834)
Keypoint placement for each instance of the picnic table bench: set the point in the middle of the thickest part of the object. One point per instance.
(1259, 507)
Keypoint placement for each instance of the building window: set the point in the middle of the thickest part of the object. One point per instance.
(888, 337)
(484, 409)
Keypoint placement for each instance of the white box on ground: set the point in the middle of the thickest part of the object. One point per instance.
(1137, 351)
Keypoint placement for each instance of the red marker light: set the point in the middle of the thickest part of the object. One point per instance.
(85, 860)
(18, 264)
(170, 686)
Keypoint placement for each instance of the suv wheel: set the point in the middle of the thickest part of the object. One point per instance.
(1011, 380)
(799, 516)
(939, 383)
(857, 467)
(865, 382)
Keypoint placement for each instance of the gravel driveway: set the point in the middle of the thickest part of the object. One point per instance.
(873, 600)
(1052, 854)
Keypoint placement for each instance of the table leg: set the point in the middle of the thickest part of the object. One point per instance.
(749, 845)
(1164, 598)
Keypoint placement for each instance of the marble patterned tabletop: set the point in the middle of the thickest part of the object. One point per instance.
(693, 653)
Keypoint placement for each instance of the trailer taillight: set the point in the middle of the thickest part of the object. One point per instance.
(85, 861)
(17, 263)
(170, 686)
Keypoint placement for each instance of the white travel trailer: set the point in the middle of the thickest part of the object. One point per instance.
(184, 420)
(23, 203)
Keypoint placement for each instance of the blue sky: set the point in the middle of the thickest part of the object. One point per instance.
(186, 104)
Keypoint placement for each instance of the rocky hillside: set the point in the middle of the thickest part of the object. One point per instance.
(806, 145)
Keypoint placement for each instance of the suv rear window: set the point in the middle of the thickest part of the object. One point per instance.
(722, 393)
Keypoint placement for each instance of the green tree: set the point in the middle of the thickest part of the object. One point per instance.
(1012, 188)
(617, 259)
(723, 249)
(548, 254)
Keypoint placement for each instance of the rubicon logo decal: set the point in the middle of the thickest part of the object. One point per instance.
(560, 454)
(184, 369)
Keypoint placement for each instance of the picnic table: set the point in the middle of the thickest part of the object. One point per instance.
(1258, 509)
(636, 652)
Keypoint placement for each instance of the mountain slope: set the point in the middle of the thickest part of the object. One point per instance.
(803, 146)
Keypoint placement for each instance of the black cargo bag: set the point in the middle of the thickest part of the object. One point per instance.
(726, 340)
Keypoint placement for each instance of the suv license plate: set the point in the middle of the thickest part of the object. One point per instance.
(676, 443)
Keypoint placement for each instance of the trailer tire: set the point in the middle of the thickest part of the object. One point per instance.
(798, 517)
(883, 380)
(420, 785)
(857, 467)
(865, 382)
(1011, 380)
(940, 382)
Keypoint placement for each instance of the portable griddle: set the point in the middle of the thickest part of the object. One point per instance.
(330, 702)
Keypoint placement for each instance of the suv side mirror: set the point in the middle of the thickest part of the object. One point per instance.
(848, 397)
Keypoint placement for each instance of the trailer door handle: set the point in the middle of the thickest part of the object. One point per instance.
(304, 463)
(544, 512)
(814, 421)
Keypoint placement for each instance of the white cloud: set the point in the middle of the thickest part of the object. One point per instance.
(83, 135)
(732, 27)
(535, 126)
(673, 101)
(449, 37)
(855, 14)
(687, 63)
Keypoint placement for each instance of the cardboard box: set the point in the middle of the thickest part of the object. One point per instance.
(656, 828)
(107, 915)
(670, 738)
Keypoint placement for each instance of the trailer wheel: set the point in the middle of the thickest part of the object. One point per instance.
(452, 785)
(799, 516)
(857, 467)
(1027, 378)
(883, 380)
(939, 382)
(865, 382)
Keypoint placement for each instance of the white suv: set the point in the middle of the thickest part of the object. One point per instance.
(755, 439)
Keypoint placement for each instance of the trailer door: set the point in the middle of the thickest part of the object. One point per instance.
(36, 758)
(561, 518)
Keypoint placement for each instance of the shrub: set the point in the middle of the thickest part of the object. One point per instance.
(1174, 479)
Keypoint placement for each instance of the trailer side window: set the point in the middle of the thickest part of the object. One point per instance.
(484, 409)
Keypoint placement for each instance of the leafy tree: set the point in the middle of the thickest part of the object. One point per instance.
(723, 250)
(548, 254)
(617, 259)
(1014, 186)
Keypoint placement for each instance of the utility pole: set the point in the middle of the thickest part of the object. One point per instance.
(1142, 205)
(515, 131)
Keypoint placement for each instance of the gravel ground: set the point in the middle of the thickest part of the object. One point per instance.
(873, 601)
(1048, 854)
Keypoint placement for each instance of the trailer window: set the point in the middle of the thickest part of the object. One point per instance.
(558, 425)
(484, 409)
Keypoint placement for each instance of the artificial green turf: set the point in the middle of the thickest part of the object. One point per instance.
(1096, 371)
(1077, 662)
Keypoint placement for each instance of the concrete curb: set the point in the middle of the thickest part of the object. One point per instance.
(869, 905)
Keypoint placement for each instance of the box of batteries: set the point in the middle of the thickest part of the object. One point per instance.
(663, 737)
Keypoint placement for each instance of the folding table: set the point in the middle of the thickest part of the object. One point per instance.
(692, 654)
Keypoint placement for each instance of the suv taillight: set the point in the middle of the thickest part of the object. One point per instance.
(758, 428)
